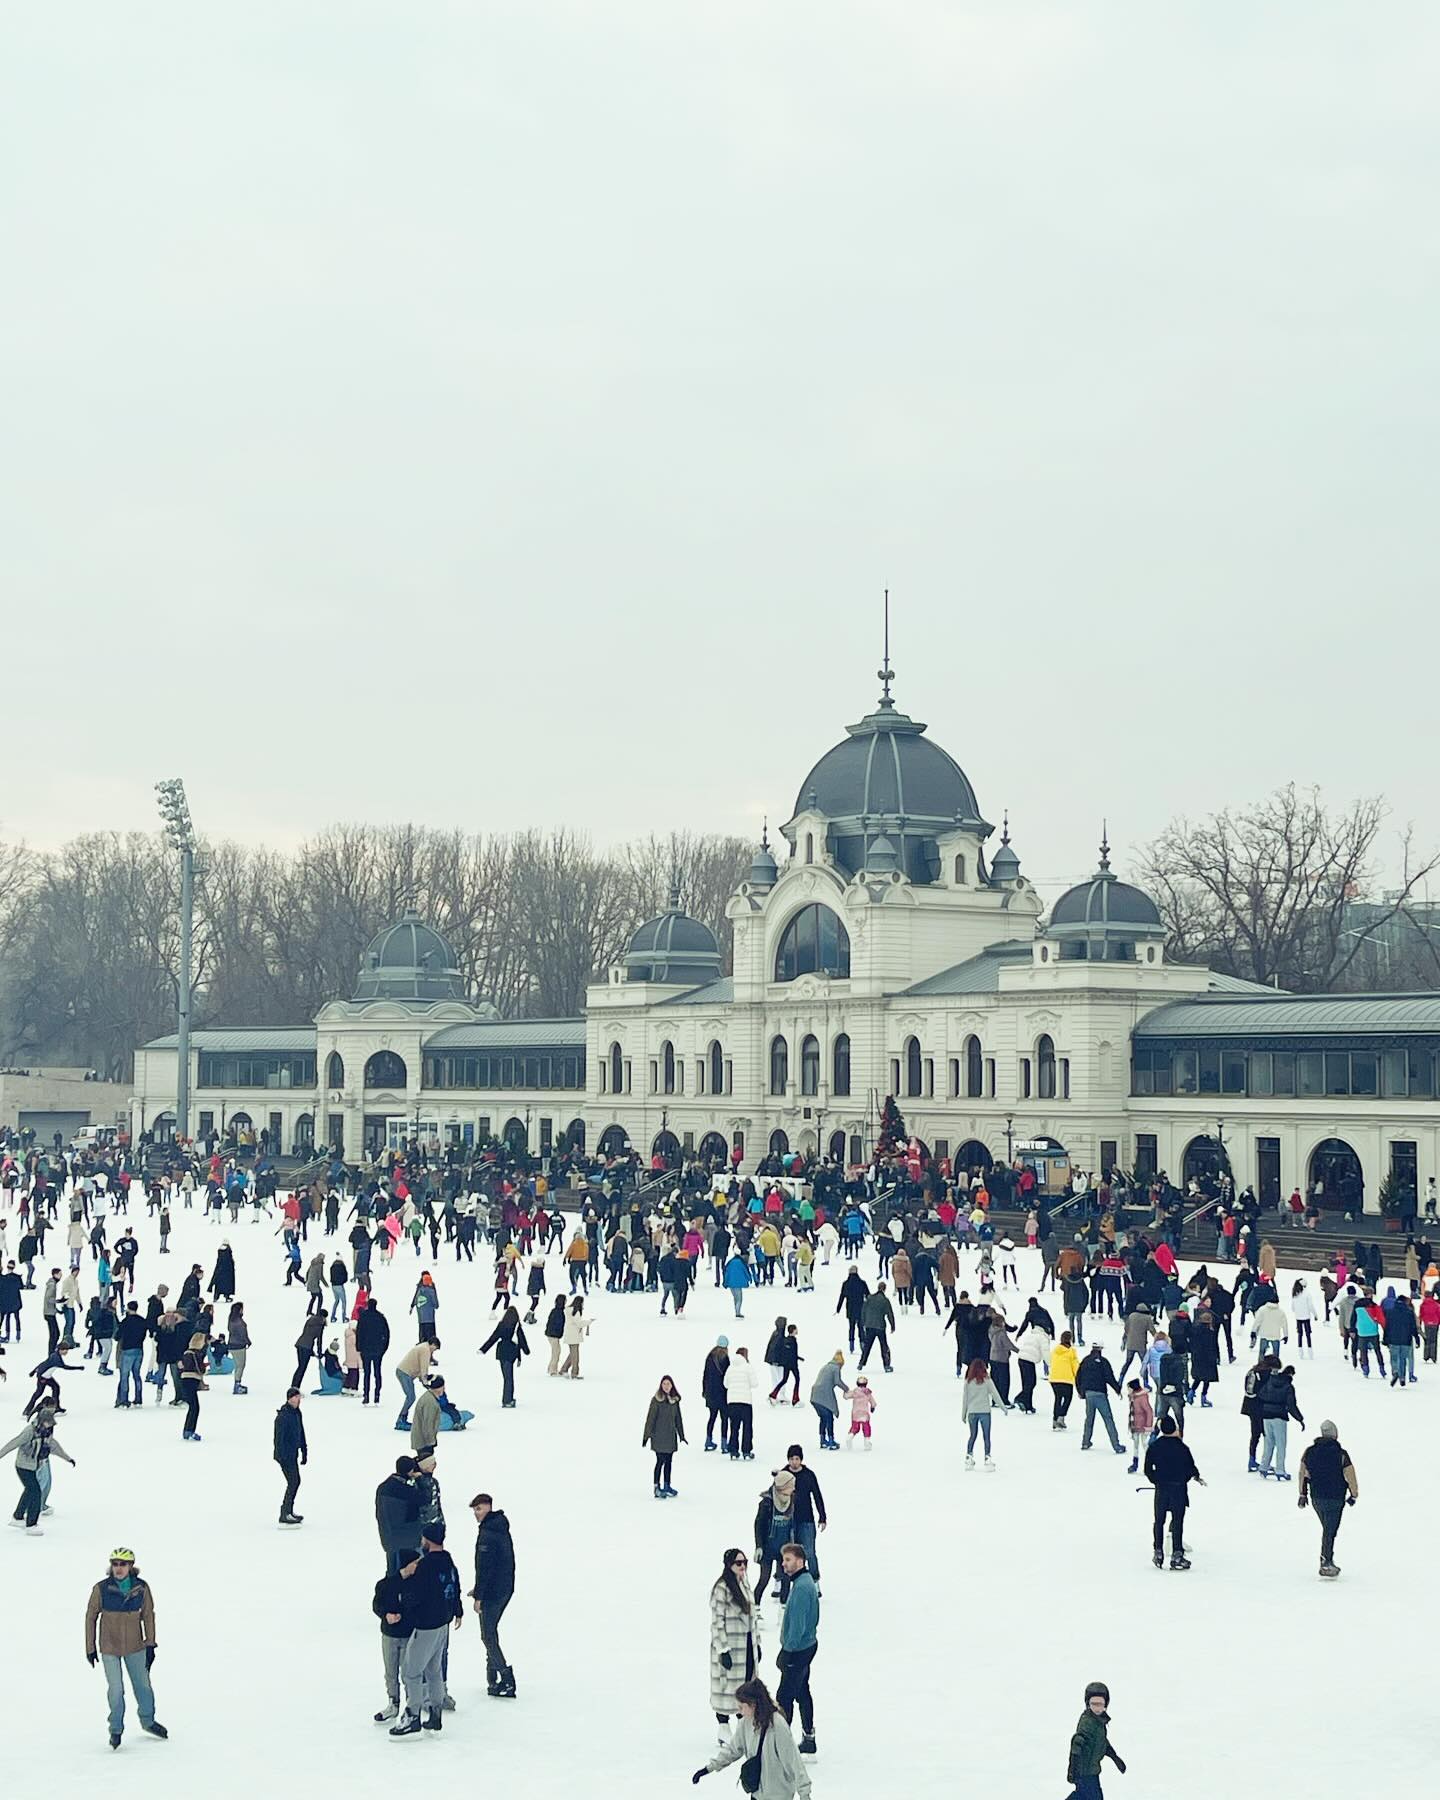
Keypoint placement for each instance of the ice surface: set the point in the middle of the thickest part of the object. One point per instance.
(962, 1613)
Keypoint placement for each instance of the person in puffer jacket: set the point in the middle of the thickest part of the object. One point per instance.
(120, 1634)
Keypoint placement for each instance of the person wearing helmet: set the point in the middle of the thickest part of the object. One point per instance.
(1090, 1745)
(120, 1634)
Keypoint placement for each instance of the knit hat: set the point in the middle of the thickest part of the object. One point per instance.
(722, 1343)
(404, 1465)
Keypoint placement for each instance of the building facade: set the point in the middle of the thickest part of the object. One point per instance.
(889, 951)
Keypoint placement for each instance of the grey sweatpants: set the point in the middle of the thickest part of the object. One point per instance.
(420, 1668)
(392, 1649)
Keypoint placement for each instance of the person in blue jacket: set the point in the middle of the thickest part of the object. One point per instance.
(799, 1640)
(737, 1279)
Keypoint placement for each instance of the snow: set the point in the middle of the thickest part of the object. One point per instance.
(963, 1613)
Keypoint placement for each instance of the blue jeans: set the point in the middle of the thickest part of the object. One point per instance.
(738, 1296)
(407, 1387)
(1270, 1347)
(130, 1361)
(827, 1422)
(1275, 1432)
(1097, 1406)
(804, 1536)
(337, 1303)
(133, 1666)
(1087, 1788)
(1402, 1361)
(979, 1424)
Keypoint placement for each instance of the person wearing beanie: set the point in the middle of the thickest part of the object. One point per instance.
(823, 1398)
(430, 1607)
(120, 1635)
(712, 1390)
(1328, 1482)
(397, 1513)
(1090, 1745)
(1170, 1468)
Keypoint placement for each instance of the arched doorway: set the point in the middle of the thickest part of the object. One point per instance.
(1205, 1161)
(613, 1141)
(667, 1145)
(305, 1134)
(515, 1137)
(835, 1149)
(1336, 1177)
(713, 1148)
(779, 1143)
(972, 1155)
(162, 1128)
(575, 1135)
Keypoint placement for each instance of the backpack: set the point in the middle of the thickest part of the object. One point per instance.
(1253, 1380)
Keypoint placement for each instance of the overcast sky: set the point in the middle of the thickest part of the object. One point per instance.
(509, 414)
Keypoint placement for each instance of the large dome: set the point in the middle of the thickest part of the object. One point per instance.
(887, 778)
(672, 947)
(409, 960)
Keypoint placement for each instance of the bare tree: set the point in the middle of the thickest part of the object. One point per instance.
(1265, 892)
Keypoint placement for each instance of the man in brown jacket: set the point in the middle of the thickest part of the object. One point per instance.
(120, 1633)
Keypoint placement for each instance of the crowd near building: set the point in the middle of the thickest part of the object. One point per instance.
(895, 948)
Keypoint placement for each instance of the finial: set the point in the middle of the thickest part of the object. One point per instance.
(885, 673)
(1104, 845)
(674, 890)
(765, 832)
(1005, 826)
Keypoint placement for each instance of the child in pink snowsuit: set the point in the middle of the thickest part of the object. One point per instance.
(862, 1404)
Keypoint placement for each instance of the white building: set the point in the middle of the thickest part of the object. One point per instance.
(892, 953)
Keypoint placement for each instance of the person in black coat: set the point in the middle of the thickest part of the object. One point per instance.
(307, 1345)
(290, 1451)
(712, 1388)
(389, 1608)
(372, 1340)
(1170, 1468)
(509, 1343)
(854, 1292)
(493, 1590)
(222, 1282)
(397, 1513)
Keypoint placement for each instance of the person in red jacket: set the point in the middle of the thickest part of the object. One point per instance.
(1428, 1313)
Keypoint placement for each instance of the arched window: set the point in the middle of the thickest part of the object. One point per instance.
(912, 1066)
(974, 1068)
(667, 1067)
(717, 1067)
(617, 1070)
(779, 1065)
(1045, 1066)
(810, 1065)
(959, 871)
(385, 1070)
(814, 942)
(335, 1070)
(840, 1066)
(809, 846)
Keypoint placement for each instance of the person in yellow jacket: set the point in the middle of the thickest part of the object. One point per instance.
(1064, 1363)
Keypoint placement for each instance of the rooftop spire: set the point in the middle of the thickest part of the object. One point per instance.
(1005, 827)
(885, 673)
(1104, 847)
(674, 890)
(765, 831)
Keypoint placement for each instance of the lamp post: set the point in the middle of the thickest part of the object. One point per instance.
(175, 811)
(1009, 1139)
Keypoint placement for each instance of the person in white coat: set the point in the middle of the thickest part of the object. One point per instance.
(577, 1329)
(1302, 1310)
(763, 1733)
(1270, 1328)
(741, 1381)
(1032, 1351)
(734, 1638)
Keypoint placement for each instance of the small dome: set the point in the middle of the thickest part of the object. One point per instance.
(409, 960)
(1104, 909)
(673, 947)
(764, 871)
(880, 857)
(1005, 864)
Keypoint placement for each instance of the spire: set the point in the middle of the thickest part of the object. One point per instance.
(1104, 847)
(885, 673)
(1005, 828)
(765, 831)
(674, 890)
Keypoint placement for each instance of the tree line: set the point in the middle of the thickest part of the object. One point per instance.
(1287, 891)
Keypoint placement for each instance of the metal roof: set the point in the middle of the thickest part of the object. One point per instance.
(1295, 1015)
(260, 1037)
(714, 993)
(510, 1034)
(977, 974)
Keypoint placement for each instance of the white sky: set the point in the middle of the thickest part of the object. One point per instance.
(509, 414)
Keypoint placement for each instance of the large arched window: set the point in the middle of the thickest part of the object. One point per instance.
(385, 1070)
(335, 1070)
(810, 1065)
(617, 1069)
(1045, 1066)
(667, 1067)
(840, 1066)
(814, 942)
(717, 1067)
(779, 1065)
(913, 1070)
(974, 1068)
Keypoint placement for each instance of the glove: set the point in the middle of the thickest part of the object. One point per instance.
(305, 1458)
(726, 1660)
(91, 1658)
(150, 1656)
(1302, 1503)
(1349, 1499)
(698, 1777)
(1119, 1763)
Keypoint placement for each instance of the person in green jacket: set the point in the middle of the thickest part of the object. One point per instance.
(1090, 1745)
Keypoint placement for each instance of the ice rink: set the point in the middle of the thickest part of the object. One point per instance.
(962, 1615)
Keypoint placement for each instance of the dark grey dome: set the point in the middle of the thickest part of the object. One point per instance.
(673, 947)
(1104, 907)
(764, 870)
(409, 960)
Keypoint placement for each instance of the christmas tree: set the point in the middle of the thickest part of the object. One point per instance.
(894, 1138)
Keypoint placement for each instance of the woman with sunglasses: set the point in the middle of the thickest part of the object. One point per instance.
(734, 1638)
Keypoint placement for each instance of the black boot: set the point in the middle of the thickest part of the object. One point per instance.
(494, 1683)
(507, 1683)
(409, 1724)
(156, 1729)
(114, 1740)
(433, 1719)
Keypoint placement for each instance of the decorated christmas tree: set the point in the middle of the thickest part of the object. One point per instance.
(894, 1138)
